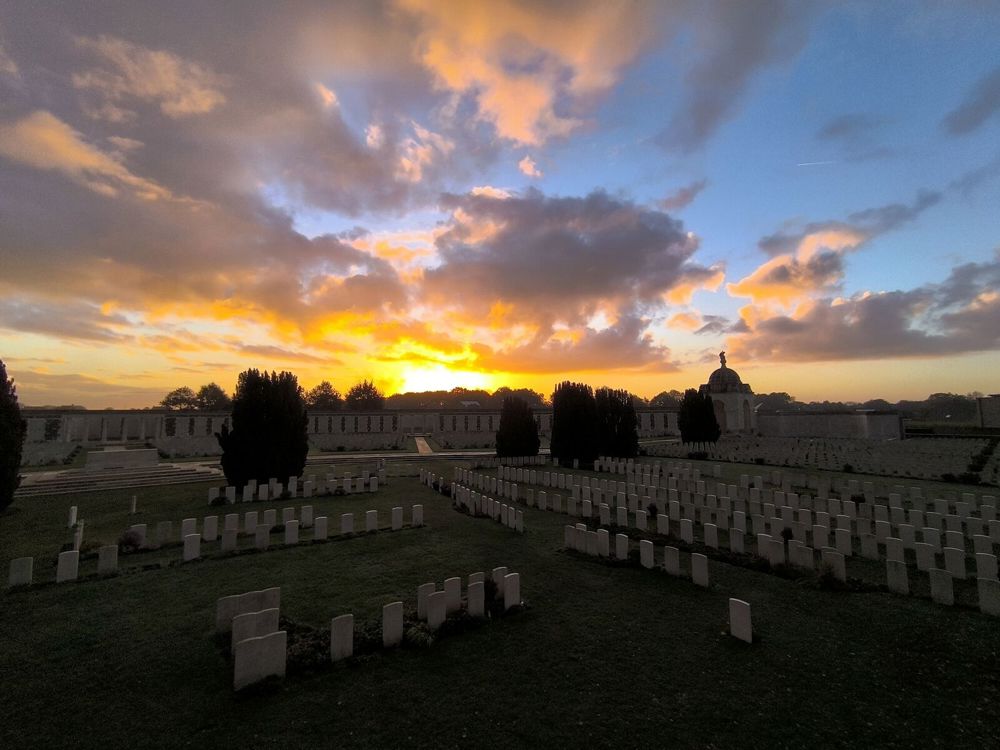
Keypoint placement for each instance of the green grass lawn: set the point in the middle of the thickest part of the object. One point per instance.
(605, 656)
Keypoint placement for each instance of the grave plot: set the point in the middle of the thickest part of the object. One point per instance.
(264, 646)
(301, 487)
(925, 458)
(261, 527)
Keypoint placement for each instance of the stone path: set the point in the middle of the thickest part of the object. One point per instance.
(422, 447)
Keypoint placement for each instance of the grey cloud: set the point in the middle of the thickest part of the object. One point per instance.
(954, 317)
(556, 258)
(75, 321)
(849, 127)
(868, 223)
(733, 41)
(978, 106)
(683, 197)
(623, 346)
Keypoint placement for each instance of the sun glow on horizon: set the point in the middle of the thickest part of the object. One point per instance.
(441, 378)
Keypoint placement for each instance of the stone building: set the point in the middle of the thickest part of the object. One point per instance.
(732, 399)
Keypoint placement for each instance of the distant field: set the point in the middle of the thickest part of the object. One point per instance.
(605, 655)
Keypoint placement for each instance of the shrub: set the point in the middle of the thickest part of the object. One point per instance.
(129, 542)
(218, 500)
(848, 469)
(12, 432)
(652, 510)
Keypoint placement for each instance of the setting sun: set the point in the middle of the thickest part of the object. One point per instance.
(440, 378)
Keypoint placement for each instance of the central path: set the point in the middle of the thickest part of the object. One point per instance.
(422, 447)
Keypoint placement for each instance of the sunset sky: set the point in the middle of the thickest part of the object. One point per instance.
(437, 194)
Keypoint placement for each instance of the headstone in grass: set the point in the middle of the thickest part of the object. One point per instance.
(256, 659)
(21, 571)
(341, 637)
(740, 623)
(392, 624)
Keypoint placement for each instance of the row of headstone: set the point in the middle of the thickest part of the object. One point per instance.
(258, 647)
(274, 490)
(942, 586)
(480, 505)
(927, 458)
(67, 567)
(598, 544)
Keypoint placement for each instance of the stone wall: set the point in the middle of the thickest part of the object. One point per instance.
(989, 411)
(179, 434)
(869, 425)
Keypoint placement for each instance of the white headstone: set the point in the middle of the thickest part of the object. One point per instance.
(436, 610)
(321, 527)
(477, 599)
(699, 569)
(341, 637)
(21, 571)
(740, 624)
(292, 532)
(68, 566)
(253, 625)
(192, 547)
(371, 520)
(424, 590)
(511, 590)
(392, 624)
(255, 659)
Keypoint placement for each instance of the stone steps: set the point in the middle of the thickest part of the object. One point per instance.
(82, 481)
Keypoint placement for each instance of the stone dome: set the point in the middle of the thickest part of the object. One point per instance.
(725, 380)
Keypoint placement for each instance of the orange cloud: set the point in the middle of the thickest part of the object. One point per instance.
(43, 141)
(518, 60)
(180, 87)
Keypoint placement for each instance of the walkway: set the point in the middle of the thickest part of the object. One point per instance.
(422, 447)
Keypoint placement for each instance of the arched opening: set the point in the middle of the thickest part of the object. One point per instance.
(747, 424)
(720, 414)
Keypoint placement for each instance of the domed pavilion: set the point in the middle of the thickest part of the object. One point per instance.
(732, 399)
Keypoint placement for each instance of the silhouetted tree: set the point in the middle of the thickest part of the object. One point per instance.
(212, 397)
(696, 419)
(518, 431)
(364, 397)
(180, 399)
(324, 397)
(617, 424)
(666, 399)
(268, 437)
(12, 432)
(574, 423)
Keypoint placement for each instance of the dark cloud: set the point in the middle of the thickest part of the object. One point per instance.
(557, 258)
(74, 321)
(622, 347)
(978, 106)
(715, 324)
(863, 225)
(849, 127)
(682, 197)
(732, 42)
(962, 314)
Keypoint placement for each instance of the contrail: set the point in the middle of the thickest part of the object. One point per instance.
(814, 163)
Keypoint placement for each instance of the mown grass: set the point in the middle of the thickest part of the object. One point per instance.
(606, 656)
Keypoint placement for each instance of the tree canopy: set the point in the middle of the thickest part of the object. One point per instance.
(12, 431)
(617, 424)
(364, 397)
(180, 399)
(324, 397)
(574, 423)
(696, 418)
(518, 431)
(268, 436)
(212, 397)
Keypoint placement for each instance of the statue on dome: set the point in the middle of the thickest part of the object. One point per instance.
(722, 358)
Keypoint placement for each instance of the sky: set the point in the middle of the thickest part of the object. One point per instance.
(442, 194)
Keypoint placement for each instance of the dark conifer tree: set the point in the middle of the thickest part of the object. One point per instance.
(617, 424)
(12, 431)
(268, 436)
(518, 431)
(574, 423)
